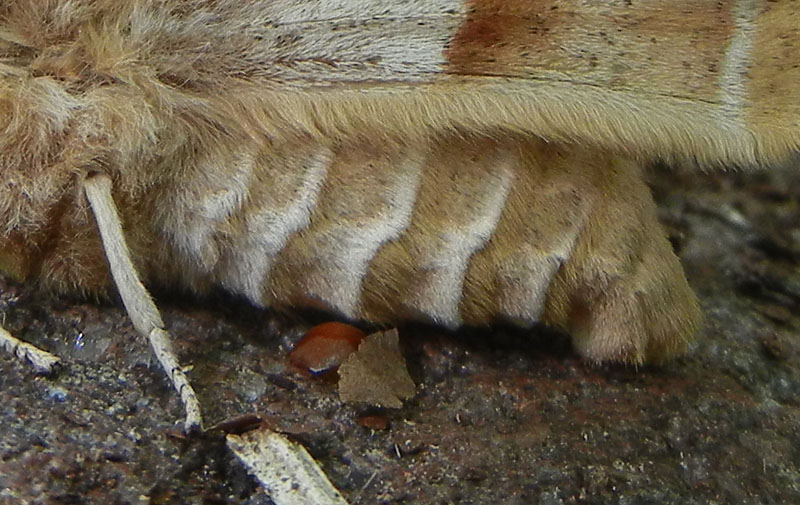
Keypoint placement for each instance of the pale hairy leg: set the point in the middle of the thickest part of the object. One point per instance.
(138, 303)
(42, 361)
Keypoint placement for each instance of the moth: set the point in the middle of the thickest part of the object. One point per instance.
(459, 162)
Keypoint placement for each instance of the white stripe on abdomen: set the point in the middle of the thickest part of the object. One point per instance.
(284, 195)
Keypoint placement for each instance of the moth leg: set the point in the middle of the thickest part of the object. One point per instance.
(43, 362)
(140, 307)
(623, 295)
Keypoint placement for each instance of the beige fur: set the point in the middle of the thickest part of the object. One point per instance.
(457, 161)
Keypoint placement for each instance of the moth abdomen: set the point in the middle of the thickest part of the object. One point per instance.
(465, 231)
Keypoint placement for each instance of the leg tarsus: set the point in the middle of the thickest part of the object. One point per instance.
(162, 348)
(42, 361)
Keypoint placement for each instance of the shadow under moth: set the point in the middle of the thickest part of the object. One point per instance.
(459, 162)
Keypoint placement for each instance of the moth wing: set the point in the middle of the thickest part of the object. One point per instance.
(678, 80)
(707, 81)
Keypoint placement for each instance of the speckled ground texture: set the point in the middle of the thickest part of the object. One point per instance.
(498, 418)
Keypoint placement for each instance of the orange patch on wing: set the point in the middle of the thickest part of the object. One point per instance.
(653, 46)
(498, 36)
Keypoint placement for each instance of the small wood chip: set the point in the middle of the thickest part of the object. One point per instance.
(374, 422)
(289, 475)
(238, 425)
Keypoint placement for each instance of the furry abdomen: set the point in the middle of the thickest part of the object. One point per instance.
(460, 230)
(464, 230)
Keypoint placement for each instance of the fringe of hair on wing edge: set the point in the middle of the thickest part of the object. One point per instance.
(668, 129)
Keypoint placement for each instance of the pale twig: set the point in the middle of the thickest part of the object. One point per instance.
(140, 307)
